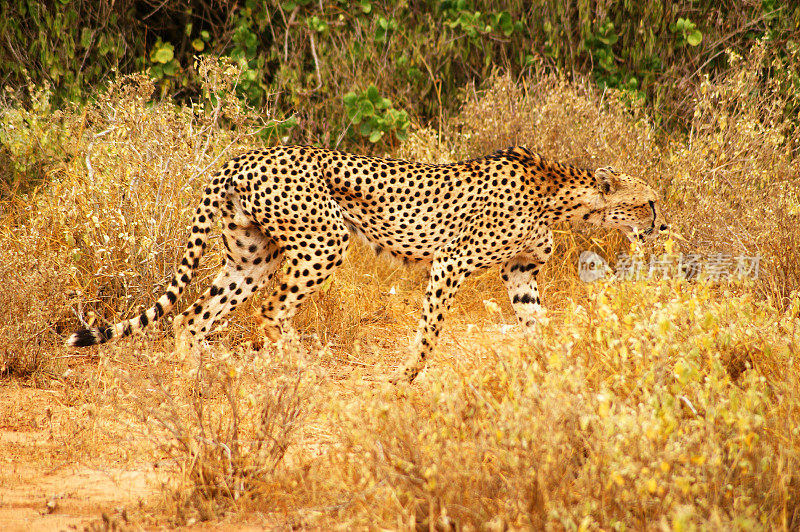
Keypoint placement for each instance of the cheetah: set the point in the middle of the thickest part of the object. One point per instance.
(299, 205)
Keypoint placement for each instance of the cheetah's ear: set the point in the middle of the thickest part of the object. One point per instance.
(606, 180)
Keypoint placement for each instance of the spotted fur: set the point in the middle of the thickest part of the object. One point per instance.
(298, 205)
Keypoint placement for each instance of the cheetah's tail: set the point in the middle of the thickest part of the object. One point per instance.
(201, 226)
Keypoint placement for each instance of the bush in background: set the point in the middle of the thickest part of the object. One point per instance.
(301, 57)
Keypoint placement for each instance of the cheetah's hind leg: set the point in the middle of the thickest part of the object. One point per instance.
(307, 268)
(251, 258)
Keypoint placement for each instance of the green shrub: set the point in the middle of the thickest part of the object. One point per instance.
(300, 57)
(375, 116)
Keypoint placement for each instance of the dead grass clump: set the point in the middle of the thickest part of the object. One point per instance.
(734, 184)
(230, 434)
(33, 308)
(124, 212)
(567, 122)
(441, 457)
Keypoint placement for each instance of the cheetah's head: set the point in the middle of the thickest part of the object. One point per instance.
(627, 203)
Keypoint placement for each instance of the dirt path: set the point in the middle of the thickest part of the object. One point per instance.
(54, 474)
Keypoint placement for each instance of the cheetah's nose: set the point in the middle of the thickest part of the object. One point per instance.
(663, 227)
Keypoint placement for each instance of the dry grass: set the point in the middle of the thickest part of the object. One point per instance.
(734, 183)
(228, 446)
(625, 414)
(642, 405)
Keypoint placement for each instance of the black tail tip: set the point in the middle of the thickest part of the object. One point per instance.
(85, 337)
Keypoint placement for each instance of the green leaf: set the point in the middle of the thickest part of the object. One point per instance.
(694, 38)
(171, 68)
(373, 94)
(103, 46)
(606, 34)
(505, 23)
(365, 129)
(317, 24)
(355, 115)
(205, 35)
(188, 29)
(164, 54)
(375, 136)
(198, 44)
(86, 37)
(237, 54)
(350, 98)
(366, 108)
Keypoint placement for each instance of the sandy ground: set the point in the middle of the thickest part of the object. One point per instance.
(52, 482)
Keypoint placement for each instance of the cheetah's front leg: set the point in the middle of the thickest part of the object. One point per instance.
(446, 276)
(519, 276)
